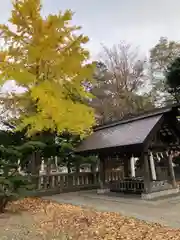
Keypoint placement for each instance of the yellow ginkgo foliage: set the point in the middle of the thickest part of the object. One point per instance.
(45, 55)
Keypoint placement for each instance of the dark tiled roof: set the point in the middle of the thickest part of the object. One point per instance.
(122, 133)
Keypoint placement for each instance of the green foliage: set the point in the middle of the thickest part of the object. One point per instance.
(66, 144)
(173, 79)
(12, 183)
(14, 151)
(30, 147)
(162, 55)
(65, 150)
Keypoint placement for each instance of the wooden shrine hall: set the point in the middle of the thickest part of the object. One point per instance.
(142, 148)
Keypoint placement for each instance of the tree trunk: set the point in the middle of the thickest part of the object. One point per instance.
(35, 163)
(102, 172)
(77, 169)
(69, 168)
(48, 167)
(3, 202)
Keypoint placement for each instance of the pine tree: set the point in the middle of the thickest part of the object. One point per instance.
(173, 80)
(46, 57)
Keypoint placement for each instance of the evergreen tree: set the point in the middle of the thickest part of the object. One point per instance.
(173, 79)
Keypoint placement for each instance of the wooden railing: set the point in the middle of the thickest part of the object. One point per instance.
(114, 175)
(57, 183)
(67, 182)
(127, 185)
(114, 179)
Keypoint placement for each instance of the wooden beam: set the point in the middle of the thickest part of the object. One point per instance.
(126, 167)
(147, 177)
(102, 171)
(171, 170)
(154, 130)
(163, 147)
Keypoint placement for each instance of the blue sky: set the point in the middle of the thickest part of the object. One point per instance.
(140, 22)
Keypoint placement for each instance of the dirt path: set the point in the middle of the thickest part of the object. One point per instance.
(18, 226)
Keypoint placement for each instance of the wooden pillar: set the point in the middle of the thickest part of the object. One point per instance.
(147, 178)
(132, 164)
(102, 171)
(126, 166)
(171, 170)
(153, 169)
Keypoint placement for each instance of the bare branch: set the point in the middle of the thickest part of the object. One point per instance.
(126, 66)
(118, 91)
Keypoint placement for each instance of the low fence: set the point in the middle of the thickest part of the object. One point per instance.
(66, 182)
(69, 182)
(114, 175)
(127, 185)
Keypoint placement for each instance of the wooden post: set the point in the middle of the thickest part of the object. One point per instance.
(93, 174)
(147, 179)
(153, 169)
(132, 164)
(102, 172)
(126, 166)
(171, 171)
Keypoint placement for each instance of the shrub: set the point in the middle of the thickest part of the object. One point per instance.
(12, 183)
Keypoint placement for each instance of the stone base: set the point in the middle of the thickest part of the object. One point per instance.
(149, 196)
(103, 190)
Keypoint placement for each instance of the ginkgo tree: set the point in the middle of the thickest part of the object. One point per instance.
(47, 57)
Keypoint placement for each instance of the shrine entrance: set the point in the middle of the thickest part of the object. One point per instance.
(142, 149)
